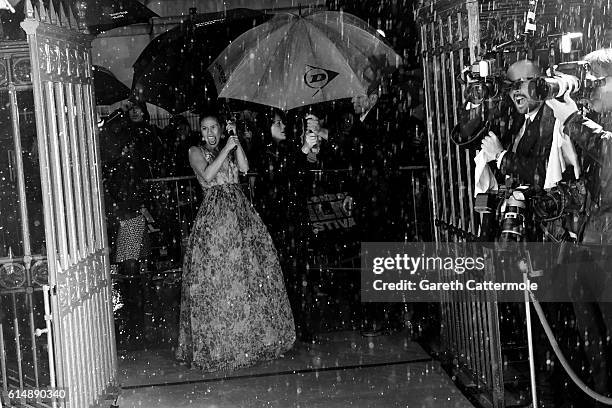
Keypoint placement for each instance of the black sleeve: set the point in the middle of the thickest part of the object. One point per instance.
(587, 135)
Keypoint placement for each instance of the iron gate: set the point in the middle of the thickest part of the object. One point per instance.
(23, 267)
(66, 291)
(454, 33)
(450, 38)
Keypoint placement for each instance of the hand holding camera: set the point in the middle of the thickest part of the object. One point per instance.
(563, 109)
(574, 78)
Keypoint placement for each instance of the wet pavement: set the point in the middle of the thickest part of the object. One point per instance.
(342, 369)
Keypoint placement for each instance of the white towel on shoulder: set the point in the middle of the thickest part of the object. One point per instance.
(562, 154)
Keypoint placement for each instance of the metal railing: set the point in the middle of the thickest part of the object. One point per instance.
(450, 37)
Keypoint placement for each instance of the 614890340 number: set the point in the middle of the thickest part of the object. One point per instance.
(23, 395)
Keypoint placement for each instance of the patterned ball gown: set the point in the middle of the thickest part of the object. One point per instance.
(234, 306)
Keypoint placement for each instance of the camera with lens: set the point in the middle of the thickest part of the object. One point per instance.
(576, 80)
(527, 205)
(482, 80)
(514, 217)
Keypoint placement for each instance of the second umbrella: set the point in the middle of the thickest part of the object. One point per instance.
(172, 71)
(293, 60)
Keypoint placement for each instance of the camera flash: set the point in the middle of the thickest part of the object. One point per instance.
(483, 68)
(566, 41)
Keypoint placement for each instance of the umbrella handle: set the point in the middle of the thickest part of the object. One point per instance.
(231, 133)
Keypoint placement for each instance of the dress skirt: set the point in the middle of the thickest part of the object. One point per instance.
(234, 306)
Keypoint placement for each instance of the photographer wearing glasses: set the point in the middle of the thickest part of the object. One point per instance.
(593, 319)
(527, 149)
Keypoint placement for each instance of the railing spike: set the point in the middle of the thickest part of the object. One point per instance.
(72, 19)
(43, 12)
(53, 19)
(28, 9)
(62, 16)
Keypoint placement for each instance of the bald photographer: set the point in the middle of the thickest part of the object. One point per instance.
(526, 150)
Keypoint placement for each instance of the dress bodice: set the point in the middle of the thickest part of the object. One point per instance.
(227, 174)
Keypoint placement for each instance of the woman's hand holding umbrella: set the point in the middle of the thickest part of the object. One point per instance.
(313, 124)
(233, 145)
(310, 141)
(232, 139)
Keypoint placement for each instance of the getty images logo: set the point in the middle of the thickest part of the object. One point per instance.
(318, 78)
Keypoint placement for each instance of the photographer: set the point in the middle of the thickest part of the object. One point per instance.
(528, 146)
(596, 145)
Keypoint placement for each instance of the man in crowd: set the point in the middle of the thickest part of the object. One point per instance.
(364, 148)
(594, 319)
(527, 146)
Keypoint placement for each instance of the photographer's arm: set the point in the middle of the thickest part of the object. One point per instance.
(581, 130)
(587, 134)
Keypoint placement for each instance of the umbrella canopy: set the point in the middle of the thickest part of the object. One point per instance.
(171, 72)
(100, 15)
(104, 15)
(108, 88)
(292, 61)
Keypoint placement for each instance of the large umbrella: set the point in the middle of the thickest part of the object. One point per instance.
(171, 72)
(100, 15)
(292, 60)
(108, 88)
(104, 15)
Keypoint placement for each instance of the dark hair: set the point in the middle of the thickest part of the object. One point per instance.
(271, 113)
(210, 114)
(143, 107)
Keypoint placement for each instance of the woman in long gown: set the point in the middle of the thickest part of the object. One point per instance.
(234, 306)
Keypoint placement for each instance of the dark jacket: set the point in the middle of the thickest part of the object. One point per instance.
(596, 146)
(529, 162)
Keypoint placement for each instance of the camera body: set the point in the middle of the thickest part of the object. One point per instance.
(575, 80)
(514, 218)
(483, 80)
(527, 207)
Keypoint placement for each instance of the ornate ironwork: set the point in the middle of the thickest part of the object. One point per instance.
(22, 71)
(40, 273)
(3, 73)
(12, 275)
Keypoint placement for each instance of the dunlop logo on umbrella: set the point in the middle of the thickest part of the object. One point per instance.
(318, 78)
